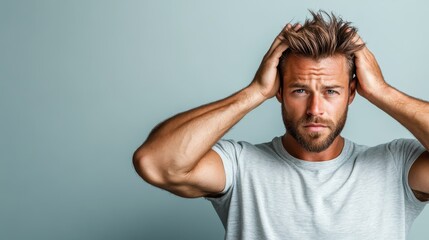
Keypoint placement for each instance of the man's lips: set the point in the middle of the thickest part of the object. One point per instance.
(315, 127)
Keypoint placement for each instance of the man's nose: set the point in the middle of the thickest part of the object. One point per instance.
(315, 105)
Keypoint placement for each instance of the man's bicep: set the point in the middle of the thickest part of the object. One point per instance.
(207, 178)
(418, 177)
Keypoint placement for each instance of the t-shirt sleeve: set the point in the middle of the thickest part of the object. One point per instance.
(405, 152)
(228, 151)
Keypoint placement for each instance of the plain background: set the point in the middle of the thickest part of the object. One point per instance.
(84, 82)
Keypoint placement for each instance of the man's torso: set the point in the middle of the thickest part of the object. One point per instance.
(272, 195)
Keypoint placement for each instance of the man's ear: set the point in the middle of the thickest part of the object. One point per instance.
(279, 95)
(352, 89)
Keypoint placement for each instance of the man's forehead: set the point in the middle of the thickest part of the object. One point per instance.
(336, 61)
(301, 68)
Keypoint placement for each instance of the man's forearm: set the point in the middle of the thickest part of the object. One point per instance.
(177, 144)
(412, 113)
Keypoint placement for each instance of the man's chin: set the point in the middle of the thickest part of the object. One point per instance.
(311, 137)
(315, 141)
(316, 147)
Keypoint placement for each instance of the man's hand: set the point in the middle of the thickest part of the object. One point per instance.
(267, 79)
(369, 78)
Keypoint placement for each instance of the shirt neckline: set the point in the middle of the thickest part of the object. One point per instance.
(329, 164)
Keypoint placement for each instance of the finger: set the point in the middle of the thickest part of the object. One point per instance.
(279, 38)
(358, 41)
(277, 52)
(356, 38)
(296, 27)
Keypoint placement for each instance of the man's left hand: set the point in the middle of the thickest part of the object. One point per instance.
(370, 81)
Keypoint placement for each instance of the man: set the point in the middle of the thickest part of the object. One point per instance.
(311, 183)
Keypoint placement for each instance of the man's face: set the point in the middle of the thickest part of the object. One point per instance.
(315, 96)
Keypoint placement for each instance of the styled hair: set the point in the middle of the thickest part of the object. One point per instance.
(323, 36)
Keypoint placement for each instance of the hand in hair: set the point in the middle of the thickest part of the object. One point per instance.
(370, 80)
(267, 78)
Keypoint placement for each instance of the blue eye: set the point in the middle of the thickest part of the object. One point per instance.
(331, 92)
(299, 91)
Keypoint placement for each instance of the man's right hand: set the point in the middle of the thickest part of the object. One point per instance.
(267, 79)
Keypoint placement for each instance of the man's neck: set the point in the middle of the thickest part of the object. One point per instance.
(296, 150)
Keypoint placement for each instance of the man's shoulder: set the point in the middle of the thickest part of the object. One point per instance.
(247, 148)
(244, 143)
(393, 144)
(399, 150)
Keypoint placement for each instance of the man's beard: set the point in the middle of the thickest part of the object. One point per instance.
(312, 142)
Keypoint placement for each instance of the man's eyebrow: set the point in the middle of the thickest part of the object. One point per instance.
(301, 85)
(297, 85)
(332, 86)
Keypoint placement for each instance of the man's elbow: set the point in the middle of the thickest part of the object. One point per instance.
(155, 171)
(145, 167)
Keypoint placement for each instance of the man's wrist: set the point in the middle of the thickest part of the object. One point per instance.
(377, 94)
(254, 92)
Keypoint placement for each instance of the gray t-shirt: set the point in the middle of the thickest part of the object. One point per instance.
(361, 194)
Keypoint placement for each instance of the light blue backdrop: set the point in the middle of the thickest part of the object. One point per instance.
(83, 82)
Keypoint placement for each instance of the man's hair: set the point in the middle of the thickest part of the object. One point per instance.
(323, 36)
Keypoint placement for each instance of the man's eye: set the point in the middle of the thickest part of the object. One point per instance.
(331, 92)
(299, 91)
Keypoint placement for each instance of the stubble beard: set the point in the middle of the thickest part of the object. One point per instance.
(313, 141)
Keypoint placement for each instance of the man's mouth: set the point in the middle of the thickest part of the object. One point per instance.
(315, 127)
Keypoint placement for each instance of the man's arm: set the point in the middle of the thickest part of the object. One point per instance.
(412, 113)
(177, 155)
